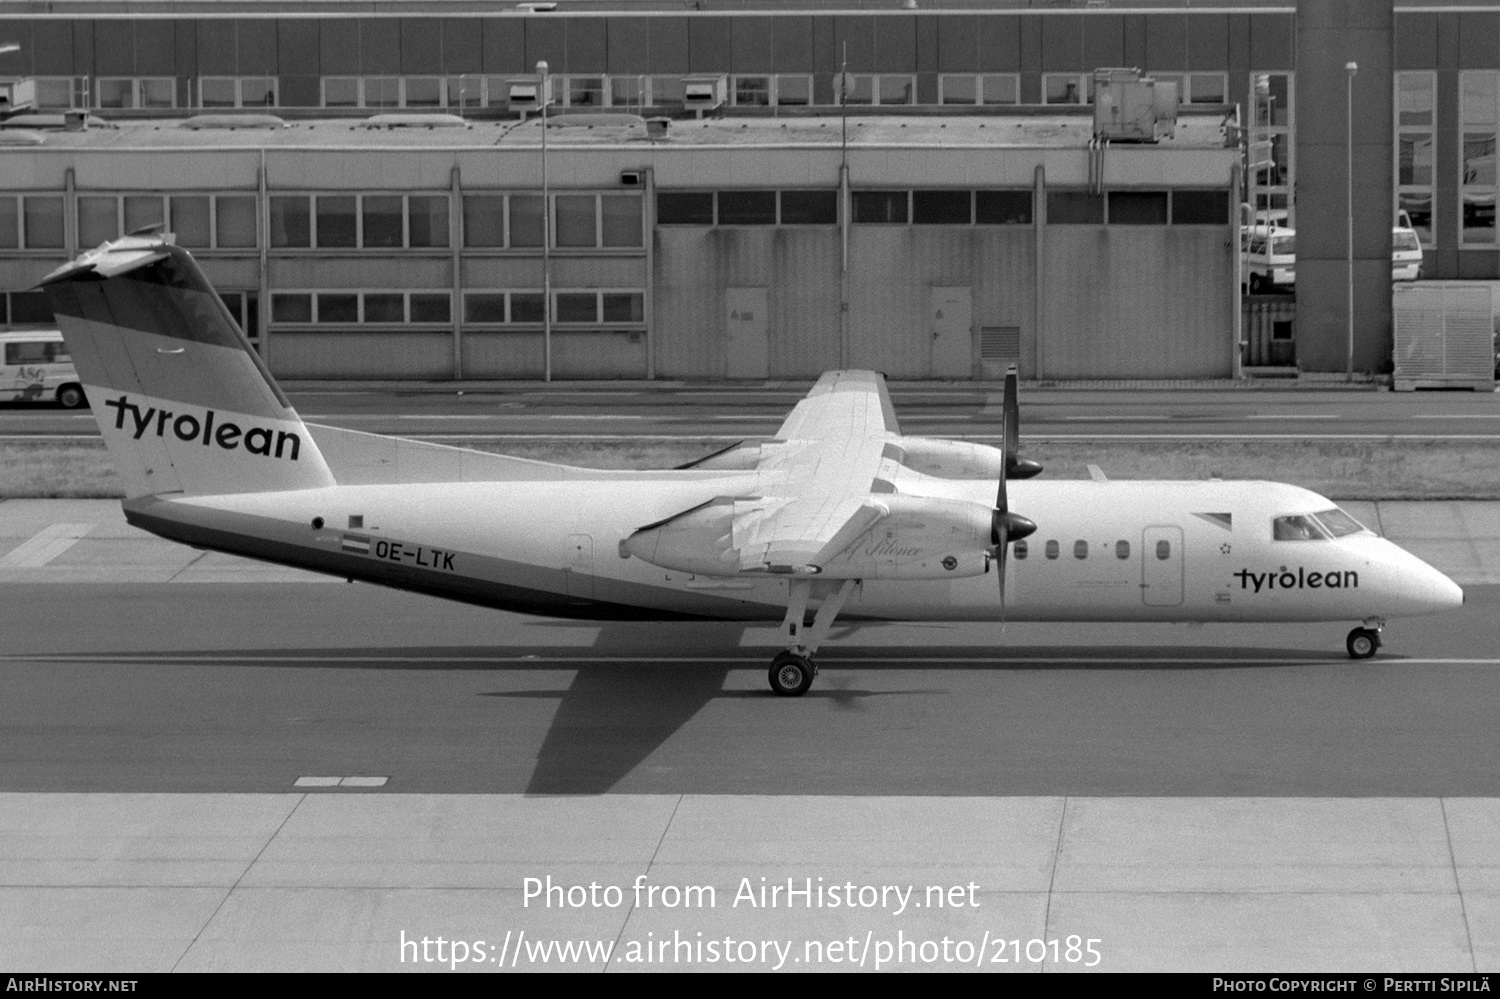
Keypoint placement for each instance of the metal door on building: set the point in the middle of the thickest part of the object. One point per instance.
(580, 574)
(950, 315)
(1161, 566)
(745, 321)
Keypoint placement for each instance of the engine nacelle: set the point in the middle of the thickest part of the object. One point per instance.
(921, 537)
(949, 459)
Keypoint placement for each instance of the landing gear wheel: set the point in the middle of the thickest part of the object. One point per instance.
(70, 397)
(1362, 643)
(791, 674)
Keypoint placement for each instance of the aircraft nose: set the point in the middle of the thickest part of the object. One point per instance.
(1434, 589)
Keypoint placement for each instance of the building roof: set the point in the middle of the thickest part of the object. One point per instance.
(441, 131)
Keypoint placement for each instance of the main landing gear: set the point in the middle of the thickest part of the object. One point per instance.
(792, 671)
(1364, 642)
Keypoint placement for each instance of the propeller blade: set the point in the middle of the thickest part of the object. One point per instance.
(1016, 467)
(1002, 552)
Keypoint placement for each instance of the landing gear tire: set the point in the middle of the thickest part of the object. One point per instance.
(1362, 643)
(791, 675)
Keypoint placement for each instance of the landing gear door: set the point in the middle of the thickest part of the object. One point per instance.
(580, 570)
(1161, 566)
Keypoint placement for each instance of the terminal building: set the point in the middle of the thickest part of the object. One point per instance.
(968, 217)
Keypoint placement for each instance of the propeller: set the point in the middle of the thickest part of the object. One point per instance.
(1005, 526)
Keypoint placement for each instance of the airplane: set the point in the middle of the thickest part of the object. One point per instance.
(839, 515)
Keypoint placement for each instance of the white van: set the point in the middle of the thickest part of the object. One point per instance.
(35, 367)
(1270, 258)
(1406, 253)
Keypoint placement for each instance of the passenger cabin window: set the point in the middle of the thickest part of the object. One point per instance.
(1080, 549)
(1164, 549)
(1122, 549)
(1053, 549)
(1021, 549)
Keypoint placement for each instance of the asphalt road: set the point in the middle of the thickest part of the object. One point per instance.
(965, 410)
(246, 687)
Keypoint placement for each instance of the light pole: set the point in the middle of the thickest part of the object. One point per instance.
(544, 97)
(1350, 68)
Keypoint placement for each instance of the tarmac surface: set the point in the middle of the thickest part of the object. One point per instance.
(1252, 409)
(210, 764)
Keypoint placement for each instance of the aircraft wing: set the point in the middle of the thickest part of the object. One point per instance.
(842, 404)
(817, 477)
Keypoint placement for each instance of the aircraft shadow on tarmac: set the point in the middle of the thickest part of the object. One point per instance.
(613, 715)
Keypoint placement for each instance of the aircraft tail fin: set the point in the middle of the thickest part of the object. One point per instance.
(184, 402)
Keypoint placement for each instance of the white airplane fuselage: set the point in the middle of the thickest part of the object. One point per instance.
(1102, 551)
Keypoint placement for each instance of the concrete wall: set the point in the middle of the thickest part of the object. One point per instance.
(1329, 34)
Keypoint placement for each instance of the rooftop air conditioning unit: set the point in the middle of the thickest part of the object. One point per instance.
(704, 93)
(1444, 336)
(528, 92)
(1129, 107)
(17, 95)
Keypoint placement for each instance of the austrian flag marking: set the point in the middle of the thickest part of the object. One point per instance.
(355, 543)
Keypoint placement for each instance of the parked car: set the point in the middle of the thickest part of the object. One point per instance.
(1270, 258)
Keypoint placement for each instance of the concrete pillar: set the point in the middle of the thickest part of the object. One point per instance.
(1331, 33)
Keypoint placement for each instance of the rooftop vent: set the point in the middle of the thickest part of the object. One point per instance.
(232, 121)
(417, 120)
(21, 137)
(55, 122)
(590, 119)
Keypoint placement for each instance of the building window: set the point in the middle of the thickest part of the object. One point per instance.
(584, 91)
(525, 212)
(576, 220)
(942, 207)
(135, 92)
(1416, 103)
(627, 91)
(372, 308)
(751, 91)
(54, 92)
(29, 308)
(809, 207)
(1138, 208)
(579, 308)
(341, 221)
(1067, 88)
(979, 88)
(685, 208)
(236, 92)
(422, 92)
(1002, 207)
(793, 90)
(1191, 207)
(341, 92)
(484, 220)
(666, 92)
(747, 208)
(620, 220)
(881, 206)
(1074, 208)
(1479, 119)
(244, 309)
(881, 88)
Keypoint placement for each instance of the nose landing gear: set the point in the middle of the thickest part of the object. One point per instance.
(1363, 643)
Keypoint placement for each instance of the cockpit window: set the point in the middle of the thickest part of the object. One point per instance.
(1338, 523)
(1298, 527)
(1324, 525)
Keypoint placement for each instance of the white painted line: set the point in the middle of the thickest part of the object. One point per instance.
(363, 782)
(44, 546)
(1115, 418)
(998, 660)
(316, 782)
(1455, 416)
(1293, 416)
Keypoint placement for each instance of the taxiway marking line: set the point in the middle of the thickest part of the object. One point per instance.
(354, 661)
(1205, 435)
(44, 546)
